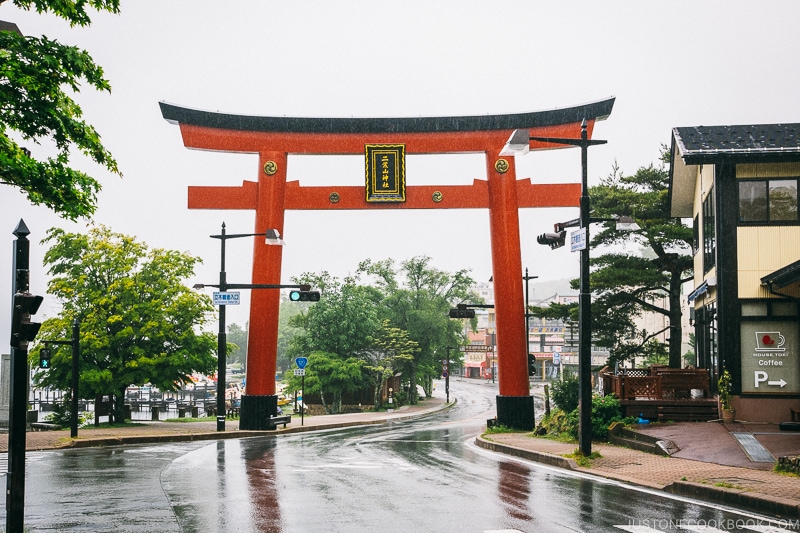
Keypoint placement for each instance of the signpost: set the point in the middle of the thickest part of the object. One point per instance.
(301, 363)
(577, 240)
(227, 298)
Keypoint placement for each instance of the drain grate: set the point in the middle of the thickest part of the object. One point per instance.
(754, 450)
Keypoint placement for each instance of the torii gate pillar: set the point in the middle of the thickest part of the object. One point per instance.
(514, 403)
(273, 138)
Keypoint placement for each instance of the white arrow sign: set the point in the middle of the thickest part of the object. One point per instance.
(782, 383)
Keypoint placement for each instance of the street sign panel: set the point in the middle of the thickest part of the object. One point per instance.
(301, 362)
(227, 298)
(577, 240)
(476, 348)
(556, 358)
(299, 371)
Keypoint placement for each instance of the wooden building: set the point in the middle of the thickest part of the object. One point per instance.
(738, 185)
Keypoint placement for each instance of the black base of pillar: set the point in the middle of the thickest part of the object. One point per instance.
(516, 412)
(256, 411)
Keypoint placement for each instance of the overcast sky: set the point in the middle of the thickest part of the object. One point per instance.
(668, 64)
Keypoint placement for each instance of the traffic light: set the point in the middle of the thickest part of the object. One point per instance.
(22, 329)
(553, 240)
(44, 358)
(462, 313)
(531, 364)
(304, 296)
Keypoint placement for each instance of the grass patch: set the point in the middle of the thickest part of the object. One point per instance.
(583, 460)
(106, 425)
(500, 428)
(778, 469)
(726, 485)
(189, 419)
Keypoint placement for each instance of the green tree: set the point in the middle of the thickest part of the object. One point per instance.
(286, 332)
(237, 345)
(417, 298)
(139, 323)
(336, 330)
(393, 350)
(330, 376)
(36, 76)
(627, 284)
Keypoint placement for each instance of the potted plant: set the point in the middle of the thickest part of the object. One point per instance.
(725, 390)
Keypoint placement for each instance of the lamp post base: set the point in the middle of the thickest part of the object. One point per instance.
(516, 412)
(256, 411)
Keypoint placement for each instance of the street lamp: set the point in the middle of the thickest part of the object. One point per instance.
(272, 237)
(519, 143)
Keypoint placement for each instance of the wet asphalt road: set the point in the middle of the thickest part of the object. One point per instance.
(413, 476)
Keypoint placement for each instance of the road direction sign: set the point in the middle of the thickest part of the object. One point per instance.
(301, 362)
(476, 348)
(577, 240)
(227, 298)
(299, 371)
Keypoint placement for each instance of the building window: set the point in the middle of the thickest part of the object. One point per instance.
(709, 233)
(705, 330)
(768, 201)
(695, 235)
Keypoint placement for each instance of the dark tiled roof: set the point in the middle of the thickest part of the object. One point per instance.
(183, 115)
(714, 144)
(783, 276)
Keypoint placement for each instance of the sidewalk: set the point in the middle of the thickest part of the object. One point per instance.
(155, 432)
(711, 464)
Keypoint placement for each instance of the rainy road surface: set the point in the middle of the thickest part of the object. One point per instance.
(424, 475)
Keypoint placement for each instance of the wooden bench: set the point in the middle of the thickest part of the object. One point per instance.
(280, 419)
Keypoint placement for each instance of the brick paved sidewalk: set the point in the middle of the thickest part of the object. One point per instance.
(762, 491)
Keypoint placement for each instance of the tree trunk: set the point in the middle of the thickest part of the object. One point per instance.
(427, 386)
(324, 405)
(676, 329)
(336, 406)
(412, 386)
(119, 407)
(379, 389)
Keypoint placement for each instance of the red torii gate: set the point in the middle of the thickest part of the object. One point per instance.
(274, 138)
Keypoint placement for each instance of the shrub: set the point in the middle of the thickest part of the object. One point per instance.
(62, 415)
(605, 410)
(557, 425)
(565, 392)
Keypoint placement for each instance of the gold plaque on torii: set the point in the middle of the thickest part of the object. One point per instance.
(386, 172)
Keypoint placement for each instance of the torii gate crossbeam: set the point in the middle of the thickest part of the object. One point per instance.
(274, 138)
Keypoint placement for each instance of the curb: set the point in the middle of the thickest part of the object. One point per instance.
(539, 457)
(736, 498)
(237, 434)
(741, 499)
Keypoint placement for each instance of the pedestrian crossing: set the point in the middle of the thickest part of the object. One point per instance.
(29, 458)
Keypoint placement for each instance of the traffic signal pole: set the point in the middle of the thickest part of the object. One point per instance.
(22, 331)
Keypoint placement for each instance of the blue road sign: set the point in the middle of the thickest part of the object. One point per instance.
(301, 362)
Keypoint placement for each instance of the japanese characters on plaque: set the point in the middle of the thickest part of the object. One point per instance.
(386, 172)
